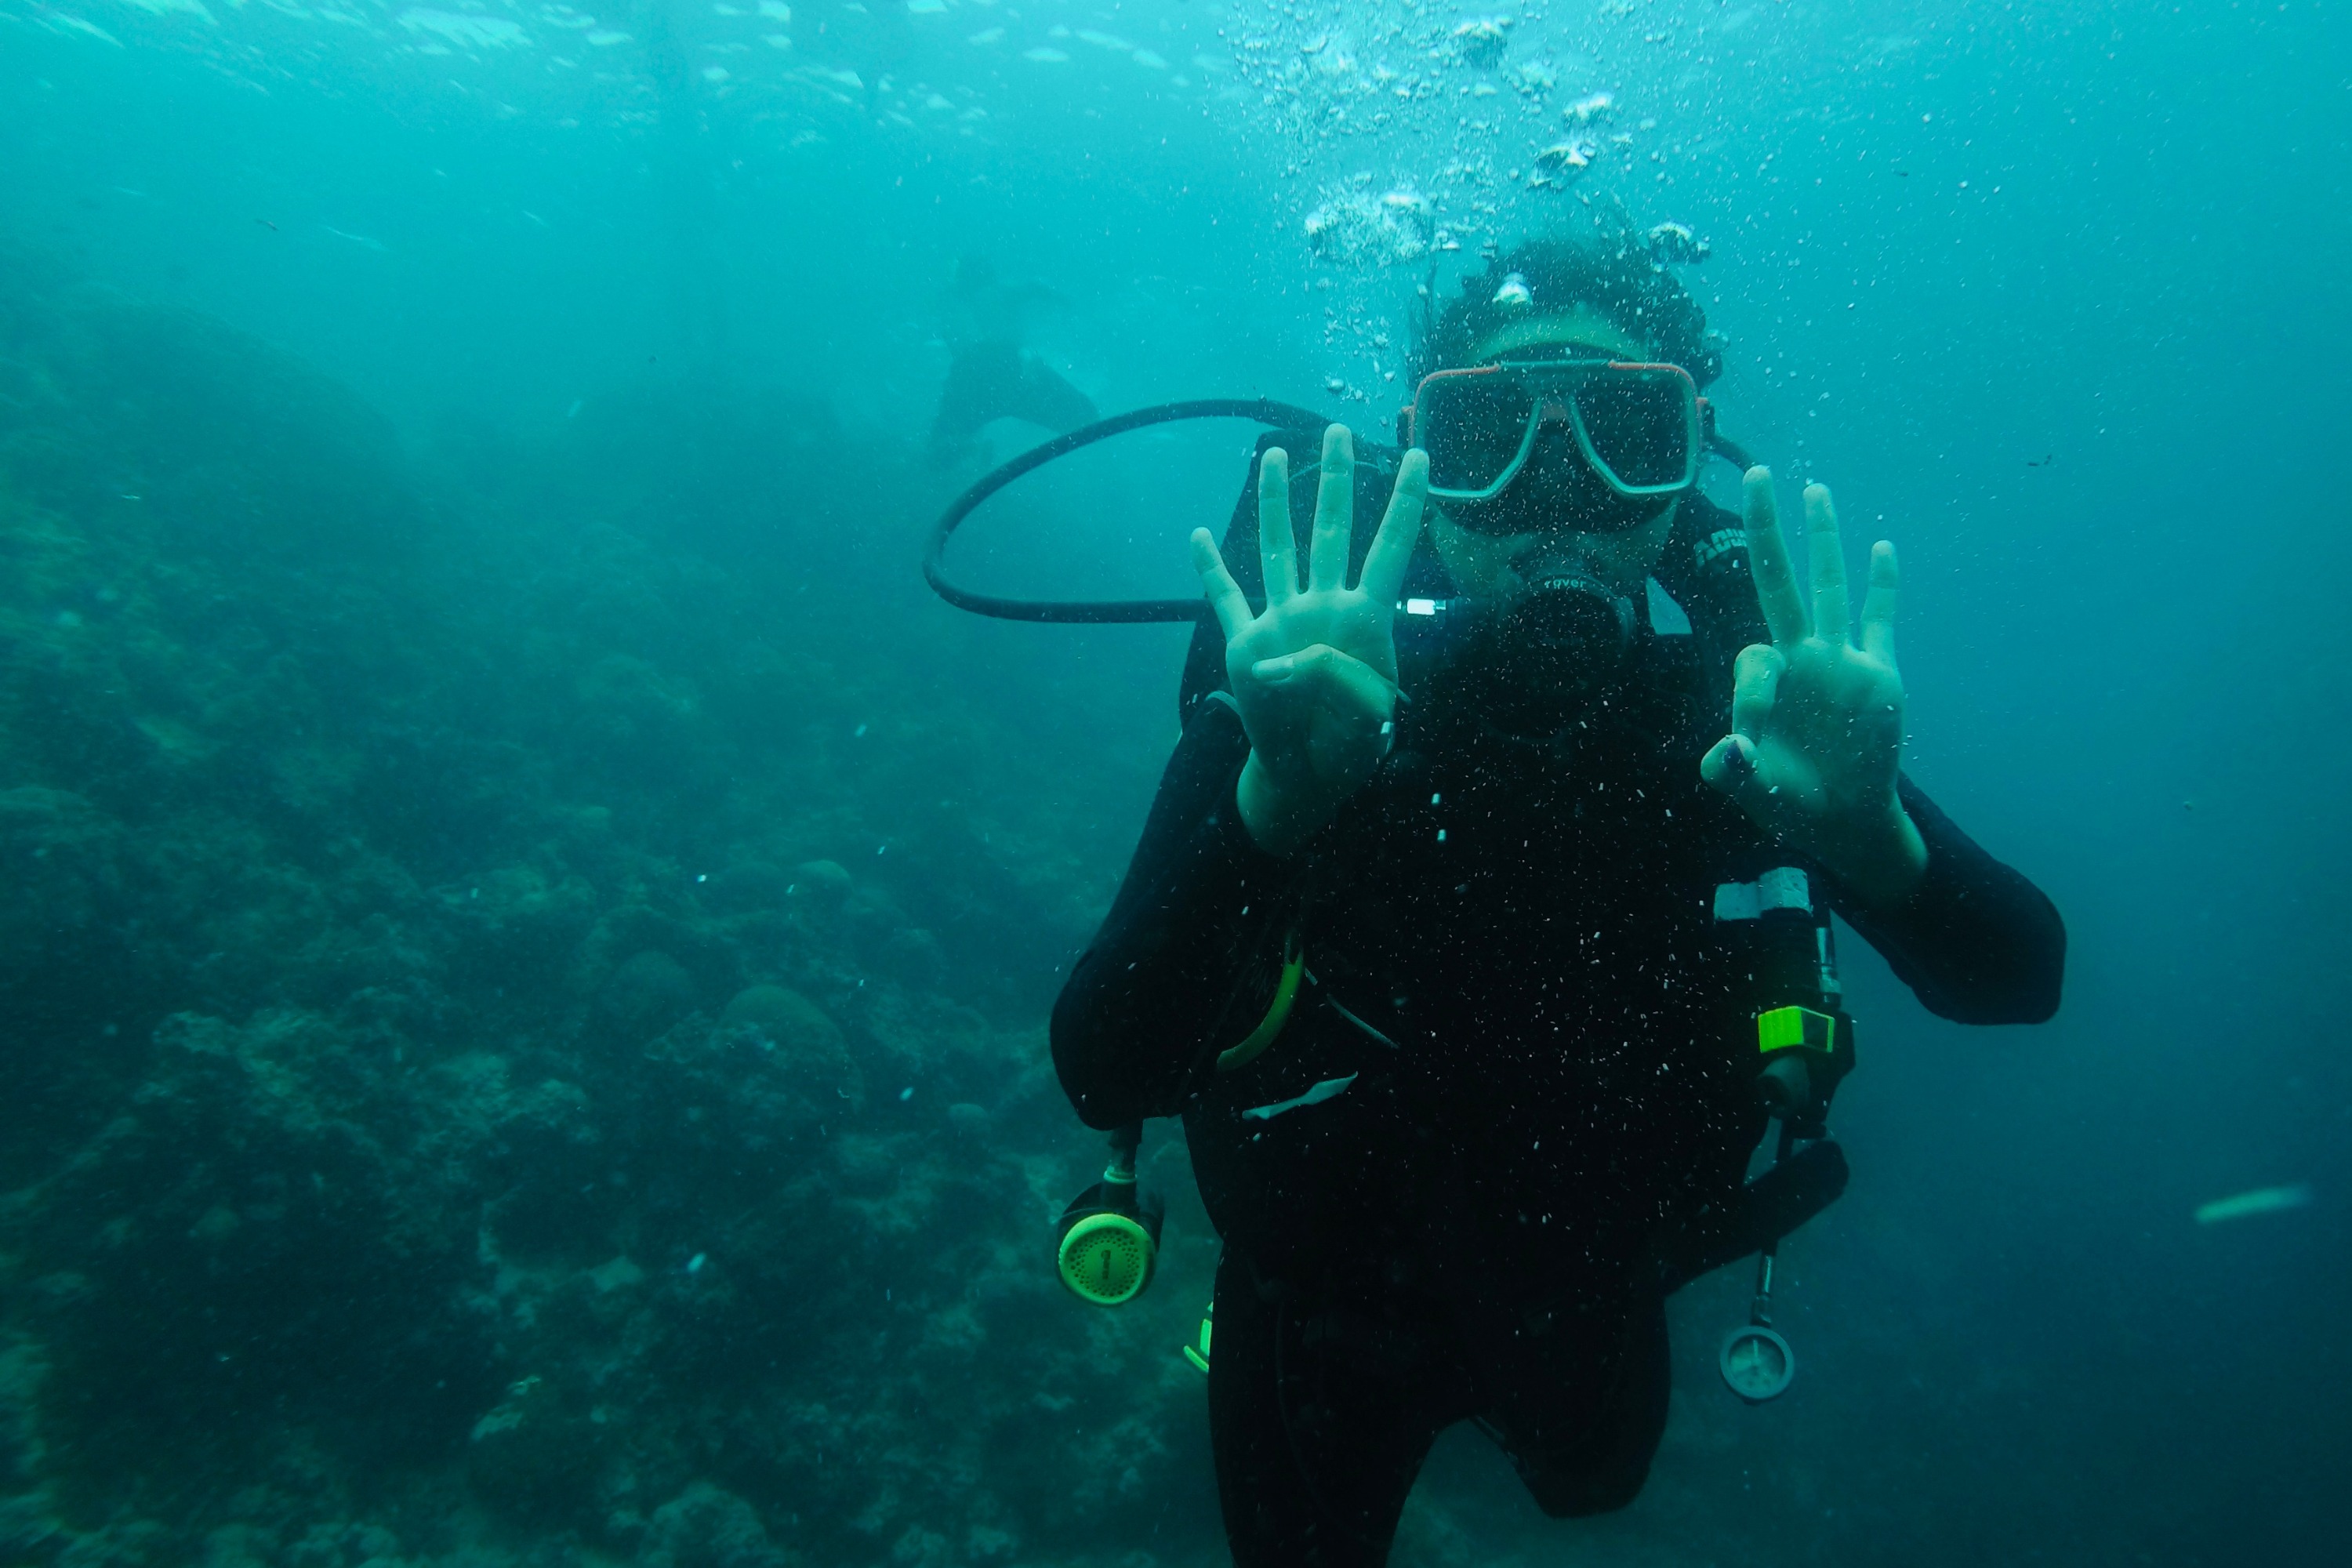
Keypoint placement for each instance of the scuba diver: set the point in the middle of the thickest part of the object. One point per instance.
(1472, 900)
(990, 375)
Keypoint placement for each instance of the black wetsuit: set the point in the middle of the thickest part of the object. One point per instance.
(1534, 1041)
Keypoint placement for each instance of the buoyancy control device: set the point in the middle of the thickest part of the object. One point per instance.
(1803, 1040)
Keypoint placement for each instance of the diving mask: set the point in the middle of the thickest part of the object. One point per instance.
(1638, 427)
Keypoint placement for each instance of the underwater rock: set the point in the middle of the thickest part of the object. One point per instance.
(533, 1455)
(914, 954)
(520, 926)
(313, 1263)
(804, 1061)
(826, 882)
(789, 1020)
(749, 886)
(648, 993)
(708, 1527)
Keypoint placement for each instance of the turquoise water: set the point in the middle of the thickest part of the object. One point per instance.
(526, 933)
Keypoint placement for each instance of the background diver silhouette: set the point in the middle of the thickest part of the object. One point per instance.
(992, 376)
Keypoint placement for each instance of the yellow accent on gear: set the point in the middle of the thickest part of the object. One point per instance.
(1200, 1358)
(1783, 1028)
(1107, 1258)
(1294, 964)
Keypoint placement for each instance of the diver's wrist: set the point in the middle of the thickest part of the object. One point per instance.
(1879, 855)
(1279, 820)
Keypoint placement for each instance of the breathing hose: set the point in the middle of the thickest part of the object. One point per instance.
(1092, 612)
(1118, 611)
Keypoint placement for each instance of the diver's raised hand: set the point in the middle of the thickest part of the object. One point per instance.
(1817, 722)
(1315, 675)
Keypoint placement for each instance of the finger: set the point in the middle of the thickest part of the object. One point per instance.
(1878, 605)
(1335, 512)
(1277, 547)
(1730, 767)
(1225, 594)
(1767, 559)
(1400, 529)
(1825, 556)
(1331, 679)
(1755, 687)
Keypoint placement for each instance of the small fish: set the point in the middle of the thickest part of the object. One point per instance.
(1902, 174)
(2044, 463)
(354, 238)
(2261, 1200)
(267, 224)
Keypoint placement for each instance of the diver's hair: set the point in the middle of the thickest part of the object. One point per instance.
(1613, 275)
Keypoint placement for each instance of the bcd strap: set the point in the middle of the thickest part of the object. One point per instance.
(1285, 994)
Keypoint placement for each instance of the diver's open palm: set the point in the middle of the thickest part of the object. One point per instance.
(1817, 722)
(1315, 675)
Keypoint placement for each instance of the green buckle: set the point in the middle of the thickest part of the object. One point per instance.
(1801, 1028)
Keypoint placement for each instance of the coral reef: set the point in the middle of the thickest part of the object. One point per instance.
(513, 1059)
